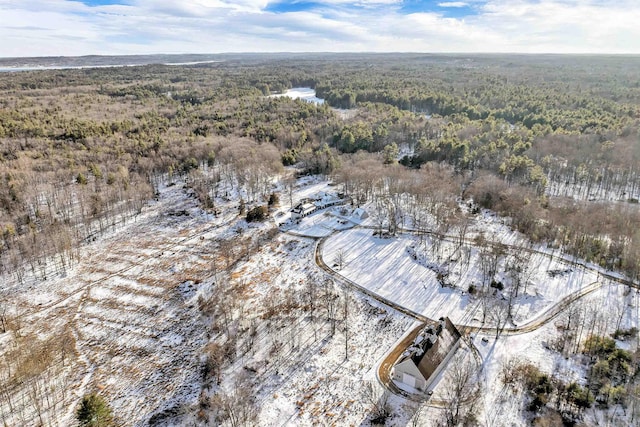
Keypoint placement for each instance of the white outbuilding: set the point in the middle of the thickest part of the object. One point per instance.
(360, 214)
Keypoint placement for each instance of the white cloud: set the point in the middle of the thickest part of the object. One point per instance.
(42, 27)
(453, 4)
(565, 26)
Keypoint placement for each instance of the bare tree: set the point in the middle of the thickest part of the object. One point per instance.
(462, 390)
(310, 294)
(347, 301)
(490, 253)
(499, 313)
(3, 317)
(520, 270)
(462, 224)
(237, 408)
(379, 215)
(417, 417)
(290, 185)
(571, 317)
(339, 259)
(329, 300)
(633, 401)
(485, 299)
(378, 402)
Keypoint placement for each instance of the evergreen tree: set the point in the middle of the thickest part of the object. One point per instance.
(94, 412)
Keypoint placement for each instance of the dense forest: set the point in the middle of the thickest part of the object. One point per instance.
(541, 139)
(551, 144)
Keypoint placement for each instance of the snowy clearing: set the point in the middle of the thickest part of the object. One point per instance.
(132, 311)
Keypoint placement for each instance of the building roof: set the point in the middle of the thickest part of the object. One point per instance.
(431, 346)
(323, 199)
(361, 213)
(303, 207)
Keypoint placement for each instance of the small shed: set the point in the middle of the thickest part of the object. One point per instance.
(360, 214)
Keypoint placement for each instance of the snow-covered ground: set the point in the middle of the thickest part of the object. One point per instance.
(405, 272)
(131, 304)
(386, 266)
(131, 308)
(313, 383)
(305, 93)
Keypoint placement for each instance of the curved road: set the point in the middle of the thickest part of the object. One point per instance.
(384, 370)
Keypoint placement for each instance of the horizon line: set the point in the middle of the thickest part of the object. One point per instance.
(329, 53)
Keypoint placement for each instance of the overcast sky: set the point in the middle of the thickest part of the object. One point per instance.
(83, 27)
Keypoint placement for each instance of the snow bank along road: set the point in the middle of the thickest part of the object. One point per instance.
(384, 370)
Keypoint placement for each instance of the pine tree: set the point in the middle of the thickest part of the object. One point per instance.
(94, 411)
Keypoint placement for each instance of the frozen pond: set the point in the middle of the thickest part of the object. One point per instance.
(305, 93)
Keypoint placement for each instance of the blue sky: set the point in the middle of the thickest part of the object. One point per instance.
(455, 9)
(102, 2)
(81, 27)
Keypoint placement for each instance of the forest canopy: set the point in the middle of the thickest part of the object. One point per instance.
(81, 150)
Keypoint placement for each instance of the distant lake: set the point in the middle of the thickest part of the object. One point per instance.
(56, 67)
(305, 93)
(82, 67)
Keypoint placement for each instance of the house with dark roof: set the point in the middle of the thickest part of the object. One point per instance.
(432, 348)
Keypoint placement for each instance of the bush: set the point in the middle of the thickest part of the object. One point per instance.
(289, 157)
(542, 388)
(81, 179)
(579, 396)
(498, 285)
(258, 213)
(189, 164)
(539, 401)
(274, 199)
(94, 412)
(599, 346)
(625, 333)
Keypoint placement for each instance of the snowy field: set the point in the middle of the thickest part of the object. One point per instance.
(404, 270)
(386, 267)
(323, 222)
